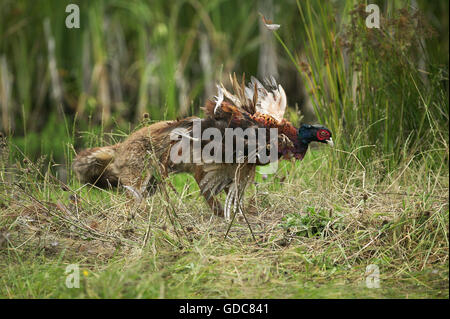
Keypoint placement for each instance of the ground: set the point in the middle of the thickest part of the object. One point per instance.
(316, 229)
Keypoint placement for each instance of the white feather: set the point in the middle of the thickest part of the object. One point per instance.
(272, 103)
(218, 99)
(181, 132)
(271, 98)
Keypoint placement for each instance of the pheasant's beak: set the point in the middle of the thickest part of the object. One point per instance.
(330, 142)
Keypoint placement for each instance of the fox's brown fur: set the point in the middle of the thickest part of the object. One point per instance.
(129, 163)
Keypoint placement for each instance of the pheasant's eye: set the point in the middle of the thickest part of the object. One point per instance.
(323, 135)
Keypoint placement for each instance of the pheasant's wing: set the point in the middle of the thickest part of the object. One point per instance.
(271, 98)
(254, 106)
(268, 99)
(240, 144)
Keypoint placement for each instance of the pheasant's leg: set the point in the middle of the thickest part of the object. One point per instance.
(215, 205)
(151, 186)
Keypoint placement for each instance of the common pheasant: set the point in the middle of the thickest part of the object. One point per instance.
(141, 161)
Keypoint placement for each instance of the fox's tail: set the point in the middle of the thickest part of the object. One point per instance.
(93, 166)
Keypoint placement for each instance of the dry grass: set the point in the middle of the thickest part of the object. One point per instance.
(315, 236)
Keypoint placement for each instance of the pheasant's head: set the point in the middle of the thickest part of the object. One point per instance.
(314, 133)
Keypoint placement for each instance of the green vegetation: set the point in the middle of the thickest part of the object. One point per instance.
(380, 197)
(315, 238)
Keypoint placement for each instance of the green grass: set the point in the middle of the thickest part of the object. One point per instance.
(367, 84)
(382, 87)
(315, 238)
(206, 272)
(380, 197)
